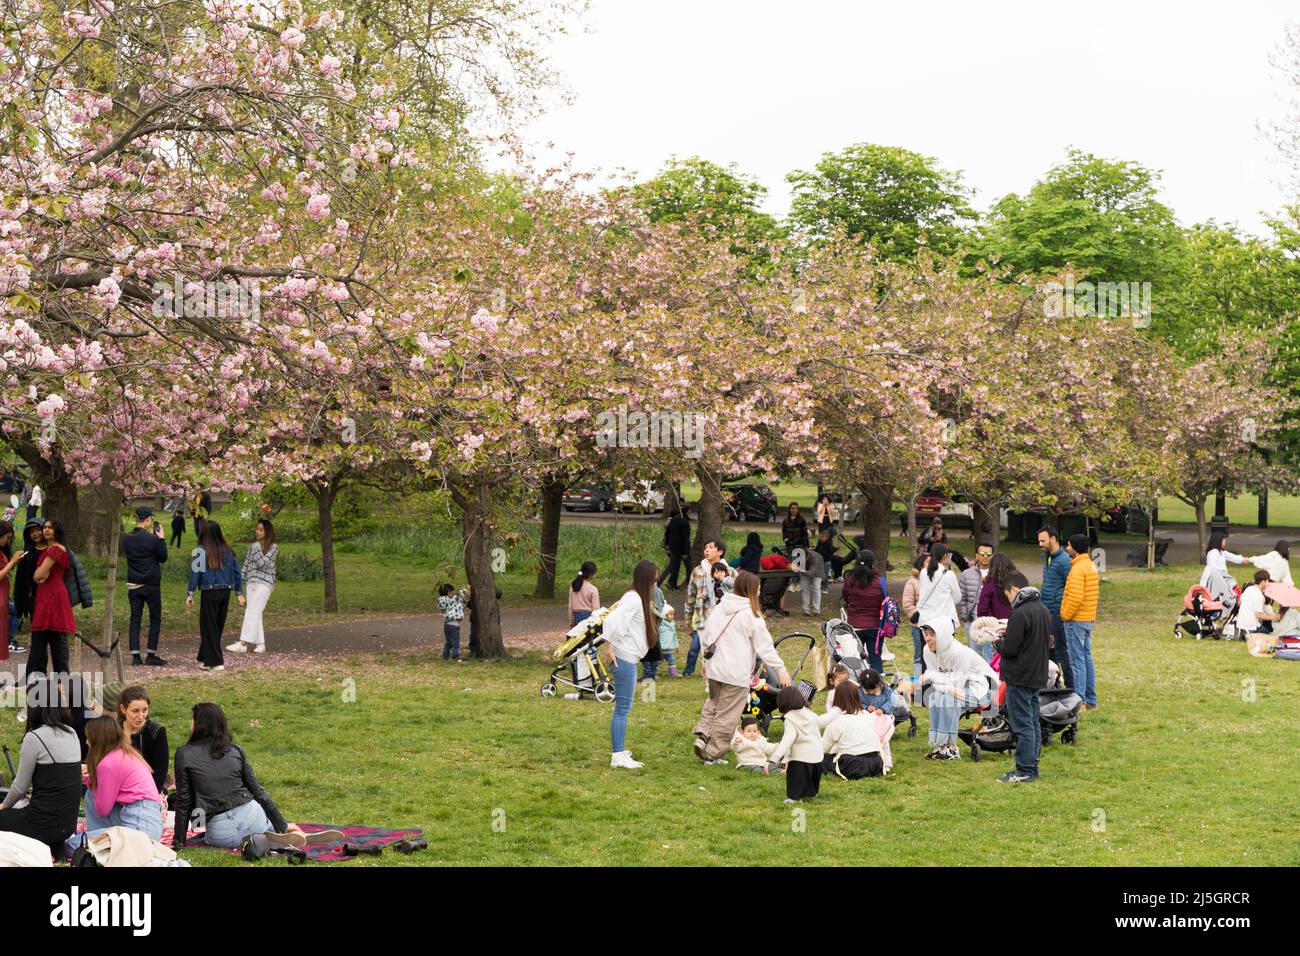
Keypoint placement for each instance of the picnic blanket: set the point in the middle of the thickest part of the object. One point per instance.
(324, 853)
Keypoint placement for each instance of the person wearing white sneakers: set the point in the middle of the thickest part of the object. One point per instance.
(259, 582)
(631, 630)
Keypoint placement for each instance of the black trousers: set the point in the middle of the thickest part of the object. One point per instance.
(1059, 652)
(855, 766)
(49, 644)
(802, 780)
(670, 570)
(149, 595)
(177, 531)
(214, 605)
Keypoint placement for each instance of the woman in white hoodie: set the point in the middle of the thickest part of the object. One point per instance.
(939, 593)
(733, 637)
(956, 680)
(632, 631)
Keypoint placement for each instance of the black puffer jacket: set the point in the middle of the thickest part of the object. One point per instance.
(1024, 645)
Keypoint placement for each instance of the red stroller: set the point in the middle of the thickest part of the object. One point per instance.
(1204, 617)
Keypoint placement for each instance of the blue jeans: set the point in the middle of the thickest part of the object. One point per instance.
(983, 650)
(624, 690)
(143, 815)
(867, 635)
(1078, 635)
(1022, 711)
(227, 829)
(650, 669)
(1061, 650)
(579, 617)
(946, 711)
(692, 655)
(451, 640)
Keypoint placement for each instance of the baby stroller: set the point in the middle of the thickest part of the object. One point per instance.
(580, 666)
(845, 647)
(772, 587)
(764, 685)
(1058, 712)
(1203, 616)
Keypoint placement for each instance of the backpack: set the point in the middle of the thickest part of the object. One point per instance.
(889, 618)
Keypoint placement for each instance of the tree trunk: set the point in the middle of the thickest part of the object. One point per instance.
(548, 552)
(1202, 531)
(325, 494)
(1151, 542)
(100, 512)
(110, 587)
(985, 525)
(911, 526)
(476, 535)
(1263, 507)
(876, 514)
(708, 525)
(57, 487)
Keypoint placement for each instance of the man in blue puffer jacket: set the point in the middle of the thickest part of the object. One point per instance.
(1056, 569)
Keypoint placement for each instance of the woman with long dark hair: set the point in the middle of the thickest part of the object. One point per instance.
(52, 620)
(993, 601)
(751, 553)
(865, 590)
(584, 598)
(214, 574)
(212, 772)
(259, 581)
(794, 529)
(939, 593)
(632, 631)
(49, 770)
(24, 589)
(147, 736)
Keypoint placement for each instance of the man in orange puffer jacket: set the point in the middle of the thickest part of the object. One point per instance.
(1079, 612)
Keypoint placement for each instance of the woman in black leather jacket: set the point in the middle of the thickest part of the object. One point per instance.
(213, 774)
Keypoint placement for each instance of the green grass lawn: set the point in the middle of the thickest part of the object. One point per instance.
(1186, 763)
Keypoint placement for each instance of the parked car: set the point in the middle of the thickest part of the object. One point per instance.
(749, 502)
(1127, 519)
(644, 499)
(588, 498)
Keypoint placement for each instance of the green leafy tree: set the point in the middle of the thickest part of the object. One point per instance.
(884, 196)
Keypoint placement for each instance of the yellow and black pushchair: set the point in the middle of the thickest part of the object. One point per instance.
(578, 662)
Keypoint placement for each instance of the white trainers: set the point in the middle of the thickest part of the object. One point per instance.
(219, 667)
(259, 648)
(237, 648)
(624, 759)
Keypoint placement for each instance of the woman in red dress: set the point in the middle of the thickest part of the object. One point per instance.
(52, 619)
(6, 565)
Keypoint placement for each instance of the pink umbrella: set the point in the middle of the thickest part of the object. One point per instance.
(1284, 594)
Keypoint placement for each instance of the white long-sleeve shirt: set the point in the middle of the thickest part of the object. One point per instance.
(739, 637)
(1216, 560)
(939, 596)
(802, 740)
(624, 628)
(752, 753)
(1278, 567)
(851, 734)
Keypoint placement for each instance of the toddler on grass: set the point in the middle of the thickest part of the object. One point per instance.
(753, 750)
(452, 605)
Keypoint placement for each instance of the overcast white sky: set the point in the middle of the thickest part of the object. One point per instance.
(996, 90)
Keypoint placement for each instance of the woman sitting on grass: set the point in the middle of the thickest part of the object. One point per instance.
(49, 767)
(120, 788)
(148, 737)
(213, 773)
(850, 739)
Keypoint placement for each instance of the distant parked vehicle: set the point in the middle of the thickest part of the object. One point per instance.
(643, 499)
(749, 502)
(1126, 519)
(588, 498)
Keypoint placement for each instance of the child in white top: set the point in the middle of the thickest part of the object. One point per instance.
(753, 751)
(800, 747)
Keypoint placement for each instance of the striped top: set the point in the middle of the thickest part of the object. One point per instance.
(259, 566)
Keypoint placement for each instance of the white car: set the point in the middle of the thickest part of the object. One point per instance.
(643, 499)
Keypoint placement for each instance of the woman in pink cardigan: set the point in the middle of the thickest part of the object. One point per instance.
(122, 791)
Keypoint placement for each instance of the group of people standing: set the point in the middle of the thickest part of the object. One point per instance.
(48, 581)
(120, 768)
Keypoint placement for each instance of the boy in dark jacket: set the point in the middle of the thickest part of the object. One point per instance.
(1024, 650)
(146, 552)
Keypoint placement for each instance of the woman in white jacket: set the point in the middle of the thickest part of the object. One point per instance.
(733, 637)
(939, 594)
(631, 629)
(956, 680)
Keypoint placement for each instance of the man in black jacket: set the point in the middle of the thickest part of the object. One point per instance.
(677, 543)
(1024, 650)
(146, 552)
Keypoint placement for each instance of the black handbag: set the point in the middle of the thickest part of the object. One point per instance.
(82, 855)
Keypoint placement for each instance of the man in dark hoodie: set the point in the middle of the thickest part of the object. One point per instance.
(1024, 650)
(146, 552)
(677, 543)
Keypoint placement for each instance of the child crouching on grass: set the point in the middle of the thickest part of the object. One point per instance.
(800, 747)
(452, 605)
(753, 750)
